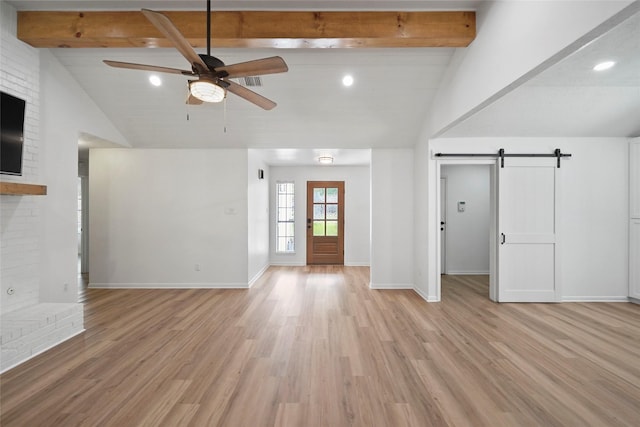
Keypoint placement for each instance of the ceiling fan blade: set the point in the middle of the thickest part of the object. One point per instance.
(166, 27)
(192, 100)
(258, 67)
(250, 95)
(132, 66)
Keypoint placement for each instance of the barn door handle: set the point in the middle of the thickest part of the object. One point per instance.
(503, 238)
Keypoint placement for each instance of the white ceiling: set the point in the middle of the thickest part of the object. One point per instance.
(385, 107)
(570, 99)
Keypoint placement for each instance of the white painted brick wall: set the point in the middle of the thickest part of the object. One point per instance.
(27, 326)
(20, 216)
(31, 330)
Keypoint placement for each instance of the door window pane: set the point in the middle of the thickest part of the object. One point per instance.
(318, 211)
(332, 228)
(332, 211)
(318, 228)
(332, 195)
(318, 195)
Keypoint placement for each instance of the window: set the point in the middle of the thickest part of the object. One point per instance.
(285, 235)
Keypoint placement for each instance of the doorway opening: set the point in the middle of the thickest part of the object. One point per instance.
(83, 235)
(467, 221)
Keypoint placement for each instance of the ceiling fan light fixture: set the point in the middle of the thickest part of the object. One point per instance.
(207, 91)
(325, 160)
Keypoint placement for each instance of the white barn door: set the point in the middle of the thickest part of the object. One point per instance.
(527, 230)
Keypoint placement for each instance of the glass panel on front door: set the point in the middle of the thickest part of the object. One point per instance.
(325, 212)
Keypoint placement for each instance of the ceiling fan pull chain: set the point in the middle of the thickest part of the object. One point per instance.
(208, 27)
(225, 114)
(186, 105)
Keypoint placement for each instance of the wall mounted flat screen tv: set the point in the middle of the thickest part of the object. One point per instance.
(11, 134)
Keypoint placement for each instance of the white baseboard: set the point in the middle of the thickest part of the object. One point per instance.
(168, 285)
(467, 273)
(303, 264)
(258, 275)
(390, 285)
(42, 351)
(288, 264)
(595, 299)
(634, 300)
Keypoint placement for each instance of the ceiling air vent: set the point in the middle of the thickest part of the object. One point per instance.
(250, 81)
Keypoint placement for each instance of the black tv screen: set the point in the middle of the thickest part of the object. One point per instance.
(11, 134)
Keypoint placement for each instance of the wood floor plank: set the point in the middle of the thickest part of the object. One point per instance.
(314, 346)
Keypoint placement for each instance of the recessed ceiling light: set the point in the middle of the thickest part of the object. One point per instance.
(604, 66)
(325, 160)
(347, 80)
(155, 80)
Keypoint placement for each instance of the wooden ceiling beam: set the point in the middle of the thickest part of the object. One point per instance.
(253, 29)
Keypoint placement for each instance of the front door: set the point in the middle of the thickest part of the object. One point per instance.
(527, 223)
(325, 222)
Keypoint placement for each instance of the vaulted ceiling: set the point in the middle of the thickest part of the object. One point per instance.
(385, 107)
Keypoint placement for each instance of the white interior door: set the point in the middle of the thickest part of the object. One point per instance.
(527, 227)
(443, 225)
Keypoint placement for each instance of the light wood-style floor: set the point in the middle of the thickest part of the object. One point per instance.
(315, 347)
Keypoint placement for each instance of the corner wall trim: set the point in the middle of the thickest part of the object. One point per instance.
(425, 296)
(258, 275)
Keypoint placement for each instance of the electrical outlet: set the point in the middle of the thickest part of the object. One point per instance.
(66, 287)
(11, 291)
(196, 267)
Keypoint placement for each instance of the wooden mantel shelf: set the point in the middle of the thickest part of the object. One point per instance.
(20, 189)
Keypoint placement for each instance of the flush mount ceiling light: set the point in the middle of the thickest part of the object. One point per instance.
(325, 160)
(604, 65)
(347, 80)
(155, 80)
(206, 90)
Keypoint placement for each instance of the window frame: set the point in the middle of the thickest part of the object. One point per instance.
(287, 221)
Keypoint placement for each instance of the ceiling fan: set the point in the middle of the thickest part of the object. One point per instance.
(212, 75)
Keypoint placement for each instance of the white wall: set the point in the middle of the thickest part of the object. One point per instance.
(467, 233)
(66, 111)
(155, 214)
(423, 244)
(357, 210)
(21, 216)
(593, 211)
(257, 215)
(509, 45)
(392, 233)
